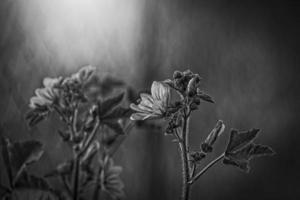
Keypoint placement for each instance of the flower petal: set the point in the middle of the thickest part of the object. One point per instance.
(160, 91)
(51, 82)
(147, 99)
(136, 108)
(35, 102)
(138, 116)
(155, 90)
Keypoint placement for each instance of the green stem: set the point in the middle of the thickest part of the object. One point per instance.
(212, 163)
(185, 191)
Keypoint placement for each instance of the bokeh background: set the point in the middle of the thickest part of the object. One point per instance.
(246, 51)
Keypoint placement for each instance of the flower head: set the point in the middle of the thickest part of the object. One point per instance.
(154, 105)
(47, 95)
(110, 179)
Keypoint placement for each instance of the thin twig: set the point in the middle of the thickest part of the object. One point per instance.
(212, 163)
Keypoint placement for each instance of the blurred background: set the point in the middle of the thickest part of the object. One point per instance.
(246, 51)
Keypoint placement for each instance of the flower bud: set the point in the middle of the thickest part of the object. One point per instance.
(207, 146)
(177, 74)
(197, 101)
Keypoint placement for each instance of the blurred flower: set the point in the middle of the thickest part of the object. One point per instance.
(154, 105)
(47, 95)
(84, 74)
(110, 179)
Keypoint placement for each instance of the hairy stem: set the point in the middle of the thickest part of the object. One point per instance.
(185, 191)
(212, 163)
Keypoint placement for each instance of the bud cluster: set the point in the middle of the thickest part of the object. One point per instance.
(187, 84)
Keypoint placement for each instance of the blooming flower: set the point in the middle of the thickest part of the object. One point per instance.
(47, 95)
(154, 105)
(110, 179)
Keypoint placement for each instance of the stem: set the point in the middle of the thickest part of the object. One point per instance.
(66, 185)
(212, 163)
(76, 178)
(90, 138)
(98, 186)
(185, 192)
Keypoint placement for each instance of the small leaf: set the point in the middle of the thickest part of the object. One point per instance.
(109, 104)
(205, 97)
(240, 139)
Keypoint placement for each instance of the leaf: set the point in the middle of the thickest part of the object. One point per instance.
(118, 113)
(241, 164)
(30, 181)
(116, 127)
(132, 95)
(205, 97)
(241, 149)
(5, 155)
(250, 151)
(24, 153)
(32, 187)
(64, 168)
(239, 139)
(110, 103)
(111, 182)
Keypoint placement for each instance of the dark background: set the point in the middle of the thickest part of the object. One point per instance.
(246, 52)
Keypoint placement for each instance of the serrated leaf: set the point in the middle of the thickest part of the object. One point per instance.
(240, 139)
(250, 151)
(241, 164)
(108, 104)
(262, 150)
(241, 149)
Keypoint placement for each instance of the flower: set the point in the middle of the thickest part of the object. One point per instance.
(84, 74)
(110, 179)
(47, 95)
(154, 105)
